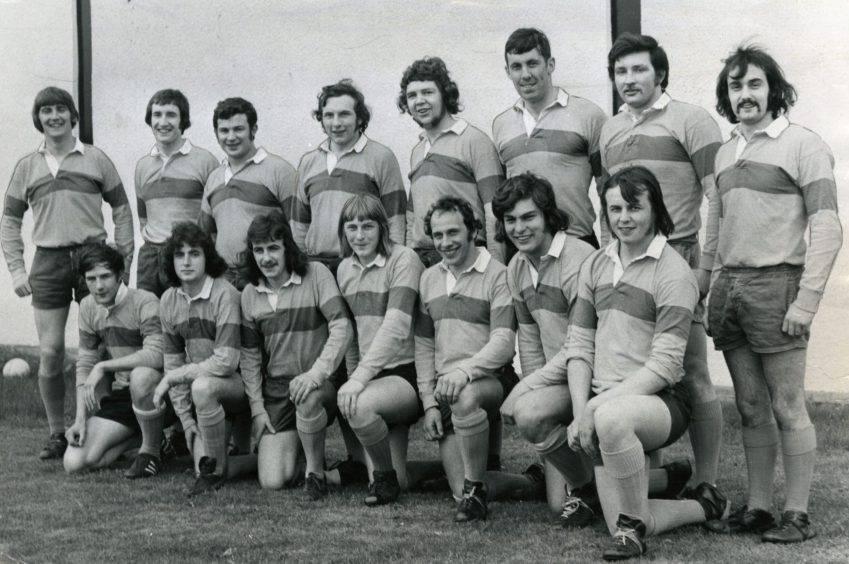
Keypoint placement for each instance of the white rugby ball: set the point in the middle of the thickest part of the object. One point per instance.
(16, 368)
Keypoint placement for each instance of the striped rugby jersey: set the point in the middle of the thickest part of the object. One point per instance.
(368, 168)
(462, 162)
(203, 331)
(782, 182)
(266, 183)
(306, 330)
(66, 209)
(170, 191)
(677, 142)
(472, 329)
(129, 326)
(640, 324)
(563, 148)
(543, 310)
(382, 297)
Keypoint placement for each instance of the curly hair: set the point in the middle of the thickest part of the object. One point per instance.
(782, 94)
(521, 187)
(449, 204)
(170, 96)
(188, 233)
(271, 227)
(433, 69)
(344, 87)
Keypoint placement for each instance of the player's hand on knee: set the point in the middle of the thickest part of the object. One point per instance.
(797, 322)
(346, 397)
(159, 392)
(301, 386)
(23, 289)
(433, 424)
(573, 436)
(449, 386)
(75, 435)
(261, 424)
(588, 436)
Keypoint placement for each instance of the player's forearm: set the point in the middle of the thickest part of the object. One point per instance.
(497, 352)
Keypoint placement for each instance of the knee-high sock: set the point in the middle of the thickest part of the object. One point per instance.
(608, 497)
(213, 433)
(473, 435)
(374, 436)
(706, 439)
(798, 448)
(52, 391)
(574, 466)
(761, 447)
(151, 422)
(628, 475)
(668, 514)
(312, 431)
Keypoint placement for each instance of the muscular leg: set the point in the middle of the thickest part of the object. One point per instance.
(542, 417)
(627, 427)
(760, 433)
(279, 459)
(706, 416)
(211, 395)
(105, 441)
(785, 377)
(50, 326)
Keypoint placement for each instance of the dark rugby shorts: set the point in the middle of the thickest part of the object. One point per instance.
(748, 305)
(281, 410)
(54, 278)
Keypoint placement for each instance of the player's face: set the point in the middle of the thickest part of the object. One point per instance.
(531, 74)
(525, 226)
(270, 256)
(56, 120)
(749, 96)
(452, 239)
(339, 119)
(165, 123)
(102, 284)
(636, 80)
(236, 137)
(189, 264)
(633, 224)
(424, 100)
(363, 236)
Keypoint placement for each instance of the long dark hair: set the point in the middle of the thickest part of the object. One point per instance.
(271, 227)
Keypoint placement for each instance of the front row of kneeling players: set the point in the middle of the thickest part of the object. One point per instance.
(436, 342)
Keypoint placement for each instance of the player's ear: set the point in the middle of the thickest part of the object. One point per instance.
(550, 64)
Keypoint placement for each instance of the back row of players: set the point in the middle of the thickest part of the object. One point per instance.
(636, 344)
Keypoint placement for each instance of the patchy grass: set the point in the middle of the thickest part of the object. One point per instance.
(47, 516)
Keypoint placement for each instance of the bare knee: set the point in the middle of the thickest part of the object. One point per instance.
(312, 405)
(74, 460)
(531, 421)
(790, 410)
(467, 403)
(143, 380)
(754, 412)
(203, 393)
(612, 429)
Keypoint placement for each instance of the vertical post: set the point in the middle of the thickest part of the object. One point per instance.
(624, 16)
(86, 130)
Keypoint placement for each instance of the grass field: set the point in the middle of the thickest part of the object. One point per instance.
(47, 516)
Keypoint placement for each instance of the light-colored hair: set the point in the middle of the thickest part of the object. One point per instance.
(362, 207)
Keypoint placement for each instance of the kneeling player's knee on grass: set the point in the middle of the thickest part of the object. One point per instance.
(74, 460)
(611, 426)
(143, 381)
